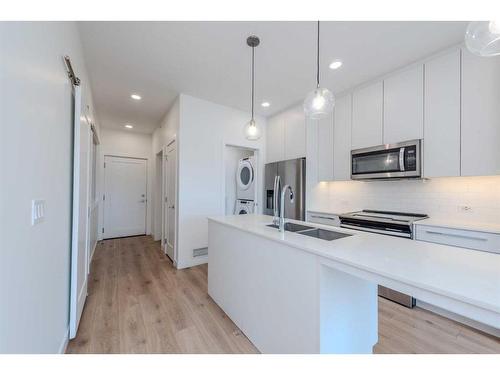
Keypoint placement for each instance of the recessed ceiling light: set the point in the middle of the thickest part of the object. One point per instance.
(136, 97)
(265, 104)
(128, 126)
(335, 64)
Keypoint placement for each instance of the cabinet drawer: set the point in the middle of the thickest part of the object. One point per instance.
(459, 237)
(323, 218)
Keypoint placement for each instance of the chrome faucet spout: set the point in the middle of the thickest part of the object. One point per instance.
(282, 206)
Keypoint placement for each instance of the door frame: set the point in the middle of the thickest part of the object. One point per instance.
(157, 221)
(104, 190)
(169, 143)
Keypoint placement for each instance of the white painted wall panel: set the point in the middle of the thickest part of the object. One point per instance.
(36, 163)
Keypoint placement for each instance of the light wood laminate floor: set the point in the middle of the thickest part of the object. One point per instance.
(139, 303)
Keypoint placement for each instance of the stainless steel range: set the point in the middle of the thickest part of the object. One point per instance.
(390, 223)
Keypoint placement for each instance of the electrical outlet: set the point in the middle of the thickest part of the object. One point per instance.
(465, 208)
(37, 211)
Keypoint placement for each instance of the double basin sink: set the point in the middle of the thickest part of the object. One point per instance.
(322, 234)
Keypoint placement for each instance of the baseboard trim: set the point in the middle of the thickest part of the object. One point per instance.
(194, 262)
(459, 318)
(64, 342)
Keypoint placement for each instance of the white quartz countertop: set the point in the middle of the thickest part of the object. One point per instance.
(461, 224)
(466, 275)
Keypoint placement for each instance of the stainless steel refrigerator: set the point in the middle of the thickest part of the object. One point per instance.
(293, 173)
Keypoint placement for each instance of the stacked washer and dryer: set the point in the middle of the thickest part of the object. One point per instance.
(245, 186)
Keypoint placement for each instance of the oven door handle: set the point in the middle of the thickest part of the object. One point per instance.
(388, 233)
(402, 159)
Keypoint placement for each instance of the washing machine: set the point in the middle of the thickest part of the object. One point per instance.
(245, 179)
(244, 207)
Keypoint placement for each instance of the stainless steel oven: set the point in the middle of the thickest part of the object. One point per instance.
(401, 160)
(399, 224)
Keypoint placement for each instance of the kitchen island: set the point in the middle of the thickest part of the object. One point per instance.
(292, 293)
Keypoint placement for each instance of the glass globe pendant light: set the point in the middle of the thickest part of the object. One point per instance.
(482, 38)
(318, 103)
(251, 130)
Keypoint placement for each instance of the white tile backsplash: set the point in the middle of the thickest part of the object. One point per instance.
(440, 198)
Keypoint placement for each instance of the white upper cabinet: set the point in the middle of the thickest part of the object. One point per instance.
(325, 149)
(480, 115)
(295, 133)
(275, 139)
(286, 135)
(442, 116)
(342, 139)
(367, 116)
(404, 106)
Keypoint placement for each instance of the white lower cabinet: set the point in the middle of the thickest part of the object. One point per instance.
(470, 239)
(442, 116)
(323, 218)
(480, 115)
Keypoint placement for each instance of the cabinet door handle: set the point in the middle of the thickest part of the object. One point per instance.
(457, 235)
(323, 217)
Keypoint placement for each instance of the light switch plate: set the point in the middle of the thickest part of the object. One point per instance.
(37, 211)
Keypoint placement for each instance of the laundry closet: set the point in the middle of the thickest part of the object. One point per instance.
(240, 174)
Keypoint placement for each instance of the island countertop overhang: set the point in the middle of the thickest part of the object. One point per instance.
(468, 276)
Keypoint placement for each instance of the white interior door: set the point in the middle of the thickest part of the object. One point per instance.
(125, 196)
(79, 237)
(170, 199)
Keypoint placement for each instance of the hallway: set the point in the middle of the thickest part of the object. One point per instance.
(139, 303)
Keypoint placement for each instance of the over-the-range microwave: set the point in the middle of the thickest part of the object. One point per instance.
(400, 160)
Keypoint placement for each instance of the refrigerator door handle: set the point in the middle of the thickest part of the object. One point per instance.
(275, 198)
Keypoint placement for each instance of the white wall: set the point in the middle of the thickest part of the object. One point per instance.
(202, 130)
(232, 156)
(132, 145)
(164, 134)
(36, 163)
(440, 198)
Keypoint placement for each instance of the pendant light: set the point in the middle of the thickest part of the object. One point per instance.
(251, 130)
(482, 38)
(318, 103)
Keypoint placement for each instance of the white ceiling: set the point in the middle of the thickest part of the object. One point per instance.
(211, 60)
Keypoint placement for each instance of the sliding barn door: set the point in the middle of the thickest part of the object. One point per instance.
(79, 240)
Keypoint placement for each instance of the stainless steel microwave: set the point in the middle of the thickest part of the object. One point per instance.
(400, 160)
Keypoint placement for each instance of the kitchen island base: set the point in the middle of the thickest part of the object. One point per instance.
(286, 300)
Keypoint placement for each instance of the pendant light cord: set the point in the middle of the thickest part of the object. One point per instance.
(317, 59)
(253, 68)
